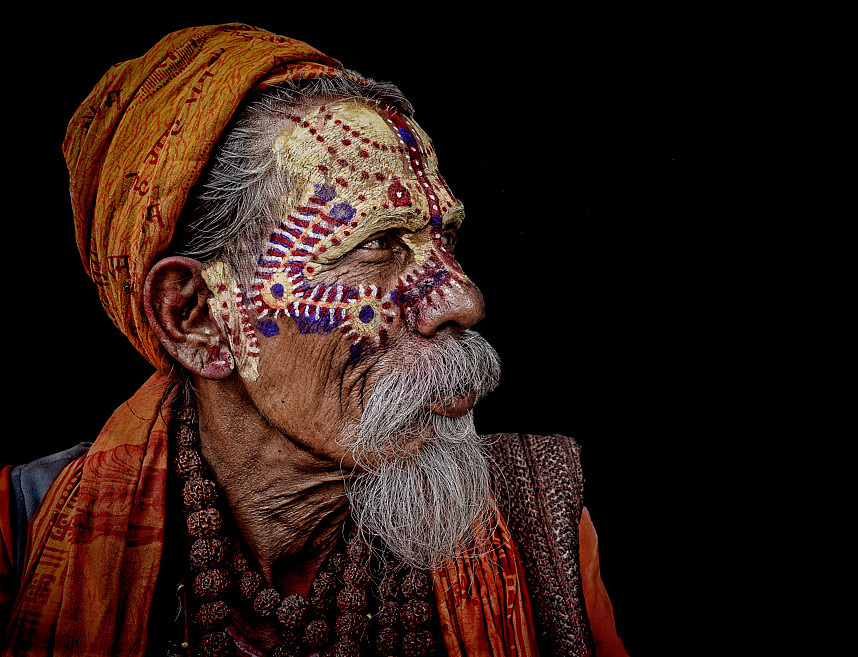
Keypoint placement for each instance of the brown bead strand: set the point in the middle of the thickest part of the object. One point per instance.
(206, 556)
(353, 599)
(416, 615)
(304, 623)
(406, 623)
(334, 619)
(387, 636)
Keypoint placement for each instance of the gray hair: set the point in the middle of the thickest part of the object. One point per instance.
(236, 204)
(432, 502)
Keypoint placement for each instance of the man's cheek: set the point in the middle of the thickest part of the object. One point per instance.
(228, 309)
(369, 317)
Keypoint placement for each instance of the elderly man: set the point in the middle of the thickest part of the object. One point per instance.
(302, 475)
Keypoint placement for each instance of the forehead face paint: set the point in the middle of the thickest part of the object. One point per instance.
(364, 171)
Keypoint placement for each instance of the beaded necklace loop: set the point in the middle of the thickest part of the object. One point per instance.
(345, 615)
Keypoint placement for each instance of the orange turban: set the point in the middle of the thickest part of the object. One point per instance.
(137, 144)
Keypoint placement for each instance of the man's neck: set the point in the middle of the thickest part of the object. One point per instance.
(288, 504)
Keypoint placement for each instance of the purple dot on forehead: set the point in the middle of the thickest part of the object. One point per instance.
(342, 211)
(326, 192)
(366, 314)
(277, 290)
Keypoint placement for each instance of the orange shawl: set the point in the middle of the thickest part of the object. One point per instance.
(94, 545)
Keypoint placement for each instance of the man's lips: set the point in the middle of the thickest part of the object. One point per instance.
(455, 407)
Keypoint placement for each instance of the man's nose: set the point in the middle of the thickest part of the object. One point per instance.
(454, 307)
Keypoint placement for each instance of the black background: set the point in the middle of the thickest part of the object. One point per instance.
(653, 226)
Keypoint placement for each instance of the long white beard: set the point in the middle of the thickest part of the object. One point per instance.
(424, 503)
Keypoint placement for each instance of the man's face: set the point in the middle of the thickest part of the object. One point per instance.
(358, 280)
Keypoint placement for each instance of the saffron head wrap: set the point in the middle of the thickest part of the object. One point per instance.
(139, 141)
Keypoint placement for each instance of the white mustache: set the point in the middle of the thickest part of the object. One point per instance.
(449, 367)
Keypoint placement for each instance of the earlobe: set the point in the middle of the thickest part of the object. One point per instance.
(175, 298)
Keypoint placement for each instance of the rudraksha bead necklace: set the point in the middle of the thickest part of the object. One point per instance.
(344, 614)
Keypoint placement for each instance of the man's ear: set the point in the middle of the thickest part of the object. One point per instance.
(175, 298)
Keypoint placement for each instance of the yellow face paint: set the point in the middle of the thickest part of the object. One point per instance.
(358, 164)
(362, 170)
(226, 307)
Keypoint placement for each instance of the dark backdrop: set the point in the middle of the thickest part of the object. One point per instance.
(645, 286)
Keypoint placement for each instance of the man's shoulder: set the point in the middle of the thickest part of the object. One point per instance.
(539, 488)
(28, 484)
(538, 478)
(31, 481)
(528, 451)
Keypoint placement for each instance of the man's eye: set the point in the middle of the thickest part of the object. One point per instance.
(378, 242)
(448, 239)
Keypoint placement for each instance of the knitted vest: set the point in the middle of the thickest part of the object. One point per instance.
(539, 485)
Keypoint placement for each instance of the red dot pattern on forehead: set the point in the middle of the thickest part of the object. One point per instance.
(414, 152)
(364, 167)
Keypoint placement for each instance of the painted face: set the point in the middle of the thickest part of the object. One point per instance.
(356, 279)
(365, 172)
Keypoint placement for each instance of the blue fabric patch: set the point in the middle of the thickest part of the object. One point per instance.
(29, 484)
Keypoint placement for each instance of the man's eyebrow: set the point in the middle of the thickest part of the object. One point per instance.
(455, 215)
(395, 215)
(415, 222)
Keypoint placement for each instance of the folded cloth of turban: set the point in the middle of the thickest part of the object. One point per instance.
(137, 144)
(134, 150)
